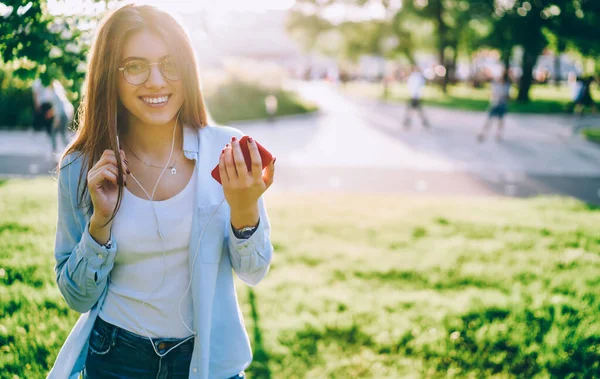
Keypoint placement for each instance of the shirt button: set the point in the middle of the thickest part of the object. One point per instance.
(100, 256)
(195, 369)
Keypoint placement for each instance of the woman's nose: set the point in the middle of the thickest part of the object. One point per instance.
(156, 78)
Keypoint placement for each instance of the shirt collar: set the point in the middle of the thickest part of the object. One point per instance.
(190, 140)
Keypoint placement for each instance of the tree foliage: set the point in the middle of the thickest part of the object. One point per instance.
(34, 42)
(463, 26)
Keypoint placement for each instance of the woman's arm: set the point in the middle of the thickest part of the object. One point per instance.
(82, 265)
(251, 257)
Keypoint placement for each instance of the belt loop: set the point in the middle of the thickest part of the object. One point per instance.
(113, 336)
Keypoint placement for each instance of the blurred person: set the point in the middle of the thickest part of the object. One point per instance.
(271, 107)
(498, 106)
(584, 97)
(62, 114)
(575, 83)
(53, 110)
(146, 315)
(43, 97)
(415, 84)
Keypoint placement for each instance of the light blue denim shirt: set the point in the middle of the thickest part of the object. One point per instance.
(221, 347)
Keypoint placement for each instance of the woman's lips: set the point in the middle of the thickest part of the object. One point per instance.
(155, 101)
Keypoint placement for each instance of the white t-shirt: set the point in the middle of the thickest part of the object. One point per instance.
(138, 269)
(415, 83)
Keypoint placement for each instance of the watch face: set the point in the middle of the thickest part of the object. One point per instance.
(244, 233)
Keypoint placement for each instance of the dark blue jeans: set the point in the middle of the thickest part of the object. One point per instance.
(116, 353)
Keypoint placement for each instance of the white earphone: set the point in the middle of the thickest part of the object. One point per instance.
(160, 235)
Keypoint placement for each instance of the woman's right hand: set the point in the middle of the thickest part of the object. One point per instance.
(103, 185)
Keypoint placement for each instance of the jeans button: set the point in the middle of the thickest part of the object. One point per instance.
(161, 345)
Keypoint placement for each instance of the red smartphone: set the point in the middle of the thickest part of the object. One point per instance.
(265, 156)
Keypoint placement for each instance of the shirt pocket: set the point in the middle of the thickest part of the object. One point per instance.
(212, 225)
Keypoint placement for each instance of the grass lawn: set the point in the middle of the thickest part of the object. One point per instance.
(364, 287)
(592, 135)
(545, 99)
(236, 100)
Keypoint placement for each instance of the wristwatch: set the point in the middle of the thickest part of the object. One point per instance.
(244, 233)
(108, 244)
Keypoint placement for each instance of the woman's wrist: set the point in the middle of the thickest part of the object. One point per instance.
(241, 218)
(99, 232)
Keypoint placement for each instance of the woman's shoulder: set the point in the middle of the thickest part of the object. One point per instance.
(221, 131)
(69, 166)
(73, 158)
(218, 135)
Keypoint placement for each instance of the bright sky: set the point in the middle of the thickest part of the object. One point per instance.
(84, 7)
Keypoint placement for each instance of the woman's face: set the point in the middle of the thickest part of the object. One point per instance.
(156, 101)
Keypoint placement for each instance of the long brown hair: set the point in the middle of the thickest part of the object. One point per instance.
(101, 115)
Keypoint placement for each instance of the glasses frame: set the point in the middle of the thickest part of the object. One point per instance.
(122, 69)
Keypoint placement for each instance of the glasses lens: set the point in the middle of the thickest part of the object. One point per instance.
(136, 72)
(170, 69)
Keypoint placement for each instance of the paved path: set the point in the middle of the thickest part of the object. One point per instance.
(359, 145)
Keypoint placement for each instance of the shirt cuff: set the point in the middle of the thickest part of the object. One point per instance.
(246, 247)
(96, 254)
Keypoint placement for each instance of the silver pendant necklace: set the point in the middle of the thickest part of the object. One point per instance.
(173, 169)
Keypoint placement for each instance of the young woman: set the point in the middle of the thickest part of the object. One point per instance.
(146, 239)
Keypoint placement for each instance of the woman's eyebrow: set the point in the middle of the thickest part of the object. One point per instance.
(145, 59)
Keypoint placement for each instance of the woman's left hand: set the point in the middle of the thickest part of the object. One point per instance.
(243, 188)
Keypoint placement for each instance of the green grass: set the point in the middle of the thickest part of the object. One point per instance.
(236, 100)
(365, 287)
(592, 134)
(545, 99)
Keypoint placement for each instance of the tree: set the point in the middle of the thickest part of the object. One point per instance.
(524, 22)
(36, 42)
(306, 28)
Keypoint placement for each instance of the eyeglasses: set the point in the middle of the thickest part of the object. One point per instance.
(137, 71)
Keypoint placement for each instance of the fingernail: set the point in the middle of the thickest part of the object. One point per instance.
(125, 184)
(222, 151)
(233, 138)
(128, 172)
(274, 159)
(250, 140)
(226, 146)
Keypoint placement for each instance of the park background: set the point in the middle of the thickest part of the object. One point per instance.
(398, 253)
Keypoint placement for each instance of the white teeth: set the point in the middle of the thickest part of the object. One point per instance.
(155, 100)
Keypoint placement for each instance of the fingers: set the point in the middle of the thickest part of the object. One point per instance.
(223, 170)
(109, 156)
(256, 160)
(101, 174)
(239, 161)
(229, 164)
(111, 168)
(234, 170)
(269, 174)
(108, 161)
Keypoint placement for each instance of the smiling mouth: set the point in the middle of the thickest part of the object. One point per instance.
(155, 99)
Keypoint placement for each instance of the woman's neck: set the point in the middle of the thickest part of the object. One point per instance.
(152, 143)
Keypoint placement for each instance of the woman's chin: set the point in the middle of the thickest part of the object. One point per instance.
(158, 119)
